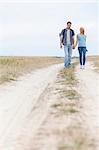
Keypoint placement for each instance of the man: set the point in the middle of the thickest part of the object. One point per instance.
(67, 40)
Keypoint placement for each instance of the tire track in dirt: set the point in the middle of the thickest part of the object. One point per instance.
(23, 107)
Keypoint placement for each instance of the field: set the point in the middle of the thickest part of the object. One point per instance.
(49, 107)
(12, 67)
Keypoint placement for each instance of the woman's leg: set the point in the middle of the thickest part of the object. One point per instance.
(80, 55)
(84, 56)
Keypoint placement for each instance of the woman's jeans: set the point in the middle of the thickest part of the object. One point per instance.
(68, 55)
(82, 55)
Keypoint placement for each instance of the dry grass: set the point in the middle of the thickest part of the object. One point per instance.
(67, 78)
(65, 108)
(74, 138)
(68, 75)
(68, 95)
(12, 67)
(96, 63)
(93, 58)
(71, 94)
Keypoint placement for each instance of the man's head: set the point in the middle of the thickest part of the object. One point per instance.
(69, 24)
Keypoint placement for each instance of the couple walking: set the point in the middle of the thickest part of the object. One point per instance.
(67, 40)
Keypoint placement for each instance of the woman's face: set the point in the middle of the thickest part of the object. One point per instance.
(81, 30)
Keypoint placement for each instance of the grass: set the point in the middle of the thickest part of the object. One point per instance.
(65, 108)
(96, 64)
(95, 61)
(71, 94)
(68, 75)
(8, 77)
(66, 89)
(13, 67)
(69, 109)
(74, 138)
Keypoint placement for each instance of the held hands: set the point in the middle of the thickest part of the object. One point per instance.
(73, 46)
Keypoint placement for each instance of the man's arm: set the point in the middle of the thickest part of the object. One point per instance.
(73, 40)
(61, 42)
(61, 39)
(61, 35)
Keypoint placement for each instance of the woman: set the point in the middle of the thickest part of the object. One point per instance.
(81, 41)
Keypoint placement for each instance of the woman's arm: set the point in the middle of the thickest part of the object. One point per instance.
(76, 41)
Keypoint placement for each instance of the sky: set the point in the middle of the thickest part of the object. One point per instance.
(31, 28)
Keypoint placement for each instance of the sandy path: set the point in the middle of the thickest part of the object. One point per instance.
(89, 89)
(24, 105)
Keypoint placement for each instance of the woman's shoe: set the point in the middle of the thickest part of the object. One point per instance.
(81, 67)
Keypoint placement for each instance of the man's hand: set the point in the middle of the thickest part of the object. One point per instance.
(73, 46)
(61, 46)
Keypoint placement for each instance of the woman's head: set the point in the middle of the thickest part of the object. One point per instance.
(82, 31)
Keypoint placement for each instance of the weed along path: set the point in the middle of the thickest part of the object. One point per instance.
(51, 109)
(24, 105)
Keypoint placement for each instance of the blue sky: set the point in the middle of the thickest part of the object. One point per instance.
(32, 27)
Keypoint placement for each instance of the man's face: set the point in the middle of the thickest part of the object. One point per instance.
(69, 25)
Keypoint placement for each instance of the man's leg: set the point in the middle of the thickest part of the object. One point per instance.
(66, 56)
(69, 54)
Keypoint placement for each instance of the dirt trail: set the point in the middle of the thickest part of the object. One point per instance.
(24, 105)
(89, 89)
(27, 119)
(49, 136)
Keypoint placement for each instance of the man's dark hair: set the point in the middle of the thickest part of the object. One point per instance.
(69, 22)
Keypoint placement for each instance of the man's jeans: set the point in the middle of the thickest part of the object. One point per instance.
(82, 55)
(68, 55)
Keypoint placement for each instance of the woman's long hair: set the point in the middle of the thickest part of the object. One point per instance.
(82, 30)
